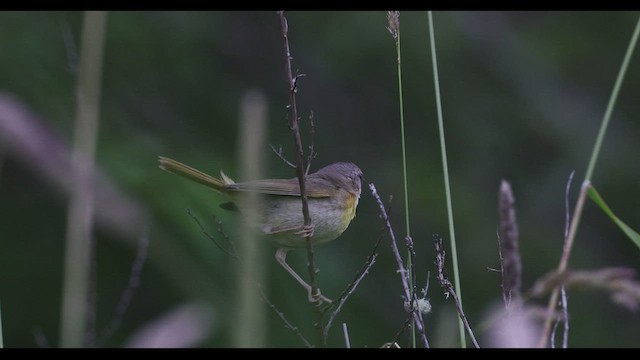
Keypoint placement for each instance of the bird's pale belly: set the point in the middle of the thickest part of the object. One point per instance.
(283, 217)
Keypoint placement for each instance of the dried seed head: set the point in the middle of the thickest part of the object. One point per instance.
(394, 23)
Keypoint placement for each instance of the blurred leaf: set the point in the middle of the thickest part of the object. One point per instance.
(595, 196)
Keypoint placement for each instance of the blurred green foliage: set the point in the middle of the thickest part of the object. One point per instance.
(523, 95)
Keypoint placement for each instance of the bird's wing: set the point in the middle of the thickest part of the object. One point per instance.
(315, 188)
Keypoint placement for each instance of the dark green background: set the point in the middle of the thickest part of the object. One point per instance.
(523, 94)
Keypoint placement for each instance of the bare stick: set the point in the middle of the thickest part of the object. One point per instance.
(401, 269)
(293, 125)
(448, 287)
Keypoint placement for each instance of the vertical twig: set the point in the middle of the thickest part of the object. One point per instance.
(81, 206)
(293, 125)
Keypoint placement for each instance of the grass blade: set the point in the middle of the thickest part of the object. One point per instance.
(595, 196)
(445, 168)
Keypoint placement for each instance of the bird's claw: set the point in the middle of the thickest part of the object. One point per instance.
(306, 230)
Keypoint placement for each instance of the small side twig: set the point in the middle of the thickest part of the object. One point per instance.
(448, 287)
(281, 156)
(286, 322)
(231, 253)
(401, 269)
(351, 287)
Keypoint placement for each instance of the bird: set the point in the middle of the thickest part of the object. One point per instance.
(333, 193)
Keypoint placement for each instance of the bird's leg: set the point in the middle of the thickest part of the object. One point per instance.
(281, 257)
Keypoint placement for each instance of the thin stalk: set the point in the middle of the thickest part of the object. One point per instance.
(249, 330)
(445, 169)
(394, 28)
(564, 260)
(81, 205)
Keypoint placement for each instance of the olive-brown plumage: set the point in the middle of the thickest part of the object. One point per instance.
(333, 193)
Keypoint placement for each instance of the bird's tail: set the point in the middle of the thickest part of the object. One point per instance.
(198, 176)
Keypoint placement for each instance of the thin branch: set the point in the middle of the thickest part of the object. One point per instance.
(226, 238)
(231, 253)
(401, 269)
(281, 156)
(348, 291)
(448, 287)
(127, 294)
(286, 322)
(293, 125)
(351, 287)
